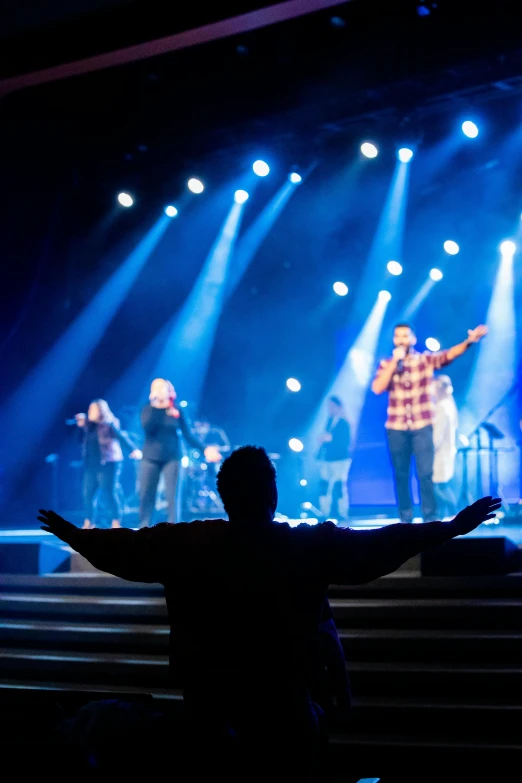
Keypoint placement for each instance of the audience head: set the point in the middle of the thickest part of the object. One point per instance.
(247, 486)
(404, 335)
(335, 406)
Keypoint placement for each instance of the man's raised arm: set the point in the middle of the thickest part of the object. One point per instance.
(474, 335)
(136, 555)
(360, 556)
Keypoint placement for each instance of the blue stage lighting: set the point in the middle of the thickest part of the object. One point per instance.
(171, 211)
(385, 296)
(469, 129)
(436, 275)
(508, 248)
(125, 199)
(451, 247)
(293, 384)
(261, 168)
(295, 178)
(296, 444)
(240, 196)
(341, 289)
(394, 268)
(195, 185)
(405, 154)
(432, 344)
(369, 150)
(183, 404)
(303, 482)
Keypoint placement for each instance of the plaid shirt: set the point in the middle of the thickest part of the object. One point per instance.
(410, 404)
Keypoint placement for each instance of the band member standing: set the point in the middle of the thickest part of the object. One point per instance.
(164, 424)
(334, 456)
(407, 378)
(103, 457)
(445, 424)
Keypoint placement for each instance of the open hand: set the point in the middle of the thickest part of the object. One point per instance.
(54, 523)
(476, 334)
(472, 516)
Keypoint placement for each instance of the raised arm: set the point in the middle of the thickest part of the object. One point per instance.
(360, 556)
(386, 370)
(136, 555)
(474, 335)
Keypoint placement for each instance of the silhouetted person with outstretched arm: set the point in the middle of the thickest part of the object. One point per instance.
(245, 597)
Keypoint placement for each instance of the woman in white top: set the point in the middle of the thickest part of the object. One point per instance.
(445, 424)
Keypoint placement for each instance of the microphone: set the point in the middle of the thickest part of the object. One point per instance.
(400, 365)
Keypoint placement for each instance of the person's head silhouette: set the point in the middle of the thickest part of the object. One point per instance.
(247, 485)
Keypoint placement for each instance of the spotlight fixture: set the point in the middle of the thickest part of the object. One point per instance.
(394, 268)
(469, 129)
(432, 344)
(261, 168)
(508, 248)
(451, 247)
(125, 199)
(293, 385)
(436, 275)
(385, 296)
(295, 178)
(303, 482)
(405, 154)
(369, 150)
(195, 185)
(171, 211)
(240, 196)
(341, 289)
(296, 444)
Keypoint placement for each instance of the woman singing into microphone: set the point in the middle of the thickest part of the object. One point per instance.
(102, 439)
(164, 424)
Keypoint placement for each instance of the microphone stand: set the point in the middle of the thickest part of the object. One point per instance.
(476, 434)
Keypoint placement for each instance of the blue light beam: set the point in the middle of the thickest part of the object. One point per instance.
(56, 374)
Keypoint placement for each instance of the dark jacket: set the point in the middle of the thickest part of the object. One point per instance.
(101, 442)
(339, 447)
(163, 435)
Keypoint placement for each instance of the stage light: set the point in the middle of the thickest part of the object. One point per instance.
(293, 384)
(464, 440)
(436, 275)
(195, 185)
(261, 168)
(469, 129)
(385, 296)
(451, 247)
(183, 404)
(185, 462)
(394, 268)
(341, 289)
(125, 199)
(240, 196)
(303, 482)
(296, 444)
(171, 211)
(508, 248)
(369, 150)
(405, 154)
(295, 178)
(432, 344)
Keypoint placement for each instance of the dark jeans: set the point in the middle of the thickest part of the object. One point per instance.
(105, 479)
(403, 445)
(150, 472)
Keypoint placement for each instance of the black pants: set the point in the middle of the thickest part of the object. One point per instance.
(403, 445)
(150, 473)
(105, 479)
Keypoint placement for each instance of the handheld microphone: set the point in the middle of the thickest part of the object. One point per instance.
(400, 365)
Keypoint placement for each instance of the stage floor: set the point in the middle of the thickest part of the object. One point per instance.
(511, 529)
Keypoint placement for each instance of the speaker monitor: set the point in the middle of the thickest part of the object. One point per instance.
(470, 556)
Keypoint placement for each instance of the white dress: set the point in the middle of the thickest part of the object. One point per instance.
(445, 425)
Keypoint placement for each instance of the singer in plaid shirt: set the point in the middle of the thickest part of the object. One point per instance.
(407, 377)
